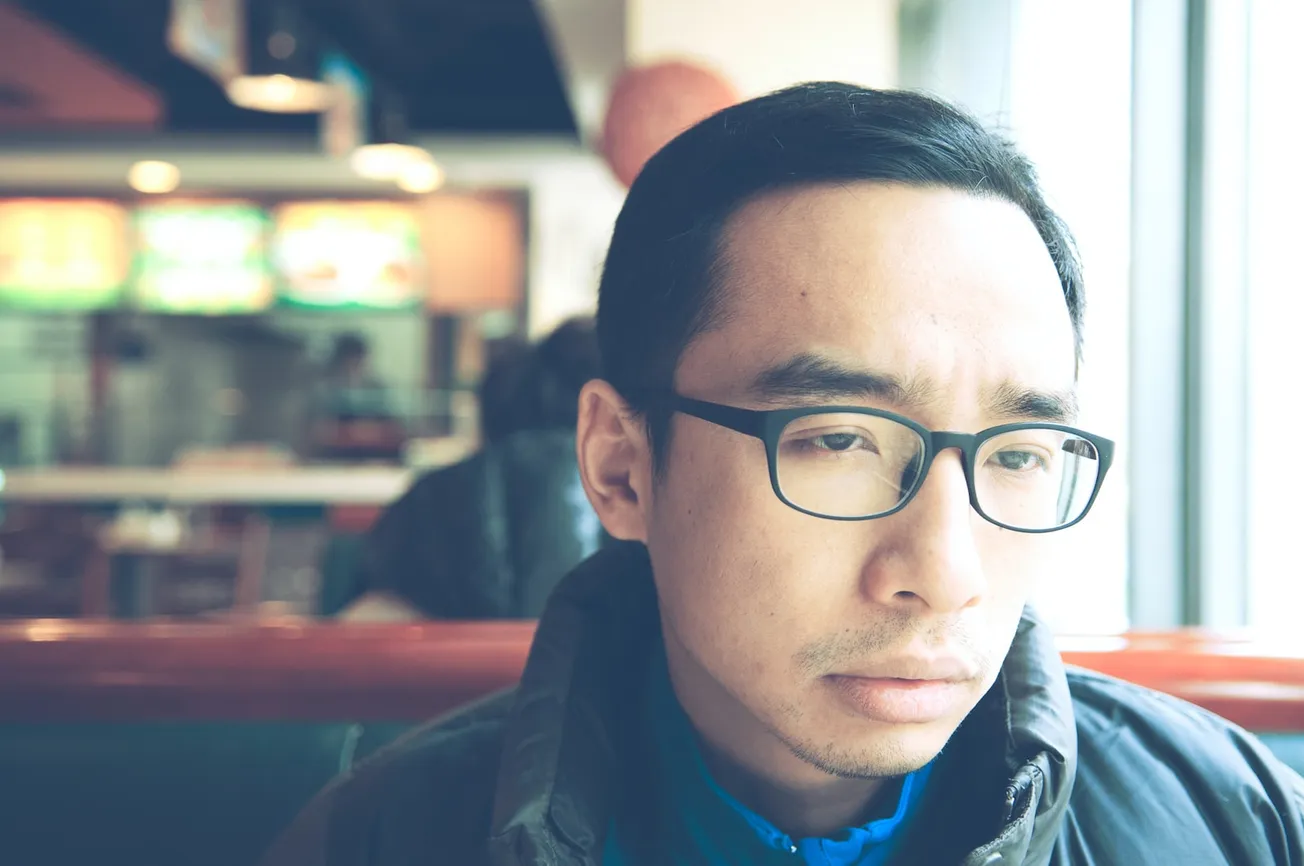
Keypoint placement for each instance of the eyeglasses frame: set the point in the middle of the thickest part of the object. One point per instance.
(768, 426)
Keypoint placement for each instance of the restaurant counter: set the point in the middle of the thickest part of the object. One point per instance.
(289, 534)
(298, 485)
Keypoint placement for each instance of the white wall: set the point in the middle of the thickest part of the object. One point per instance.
(573, 207)
(762, 45)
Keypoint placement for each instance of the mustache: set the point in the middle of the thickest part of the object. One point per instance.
(892, 635)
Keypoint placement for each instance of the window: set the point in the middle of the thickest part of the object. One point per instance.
(1057, 77)
(1274, 225)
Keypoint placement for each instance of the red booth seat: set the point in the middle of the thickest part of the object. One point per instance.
(193, 745)
(95, 671)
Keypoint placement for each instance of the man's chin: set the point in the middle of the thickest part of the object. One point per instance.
(875, 749)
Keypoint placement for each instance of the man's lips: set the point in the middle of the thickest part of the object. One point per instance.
(900, 701)
(934, 668)
(906, 689)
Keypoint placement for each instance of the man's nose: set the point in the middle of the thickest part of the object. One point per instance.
(929, 556)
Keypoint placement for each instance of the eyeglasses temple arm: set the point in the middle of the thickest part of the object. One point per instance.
(749, 422)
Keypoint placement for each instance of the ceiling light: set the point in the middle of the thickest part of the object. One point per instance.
(282, 64)
(388, 160)
(390, 151)
(421, 177)
(154, 177)
(279, 93)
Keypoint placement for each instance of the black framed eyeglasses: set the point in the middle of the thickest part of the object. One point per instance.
(856, 463)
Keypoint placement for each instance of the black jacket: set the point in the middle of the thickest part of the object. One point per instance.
(1053, 766)
(487, 538)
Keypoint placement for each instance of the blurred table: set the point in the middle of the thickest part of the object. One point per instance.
(245, 546)
(114, 579)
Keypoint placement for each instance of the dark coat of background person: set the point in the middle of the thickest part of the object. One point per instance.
(489, 537)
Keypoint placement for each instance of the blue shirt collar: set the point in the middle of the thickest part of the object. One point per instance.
(723, 830)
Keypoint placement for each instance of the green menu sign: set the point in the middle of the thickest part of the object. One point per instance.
(202, 258)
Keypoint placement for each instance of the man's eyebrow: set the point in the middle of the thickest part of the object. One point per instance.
(1030, 404)
(812, 378)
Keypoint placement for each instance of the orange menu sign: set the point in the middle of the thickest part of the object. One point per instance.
(62, 254)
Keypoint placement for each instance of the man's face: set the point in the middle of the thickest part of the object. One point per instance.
(788, 635)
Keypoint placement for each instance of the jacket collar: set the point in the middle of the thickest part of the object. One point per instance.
(565, 739)
(1041, 749)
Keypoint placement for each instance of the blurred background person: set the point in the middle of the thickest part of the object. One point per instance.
(489, 537)
(352, 389)
(354, 419)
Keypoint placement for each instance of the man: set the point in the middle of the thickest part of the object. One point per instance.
(840, 332)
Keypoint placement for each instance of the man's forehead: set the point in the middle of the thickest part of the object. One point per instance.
(828, 224)
(910, 281)
(869, 250)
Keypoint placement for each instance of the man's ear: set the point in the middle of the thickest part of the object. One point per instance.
(615, 461)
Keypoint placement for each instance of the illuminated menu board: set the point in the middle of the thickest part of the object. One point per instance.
(202, 258)
(348, 255)
(62, 255)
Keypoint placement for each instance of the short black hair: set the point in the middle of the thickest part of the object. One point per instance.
(538, 387)
(661, 285)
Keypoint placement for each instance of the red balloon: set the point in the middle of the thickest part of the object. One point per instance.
(652, 104)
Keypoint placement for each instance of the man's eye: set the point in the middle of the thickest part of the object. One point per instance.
(839, 441)
(1018, 461)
